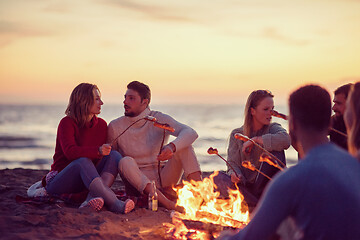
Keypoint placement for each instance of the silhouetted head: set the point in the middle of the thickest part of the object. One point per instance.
(310, 108)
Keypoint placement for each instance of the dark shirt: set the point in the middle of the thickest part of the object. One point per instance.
(321, 194)
(338, 124)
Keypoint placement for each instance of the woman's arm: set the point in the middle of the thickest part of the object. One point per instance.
(276, 140)
(67, 131)
(234, 154)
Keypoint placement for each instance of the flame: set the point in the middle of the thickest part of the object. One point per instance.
(266, 158)
(203, 204)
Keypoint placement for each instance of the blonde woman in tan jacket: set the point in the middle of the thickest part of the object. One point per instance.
(272, 136)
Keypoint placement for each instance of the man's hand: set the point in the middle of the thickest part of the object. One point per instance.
(166, 153)
(105, 149)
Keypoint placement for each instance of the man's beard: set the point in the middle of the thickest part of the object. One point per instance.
(130, 114)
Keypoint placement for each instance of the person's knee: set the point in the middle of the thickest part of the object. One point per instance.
(115, 154)
(115, 157)
(125, 162)
(83, 161)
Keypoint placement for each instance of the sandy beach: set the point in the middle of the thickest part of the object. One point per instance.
(22, 219)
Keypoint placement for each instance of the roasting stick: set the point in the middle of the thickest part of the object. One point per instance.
(113, 141)
(244, 138)
(271, 163)
(283, 116)
(249, 165)
(337, 131)
(215, 151)
(245, 164)
(164, 126)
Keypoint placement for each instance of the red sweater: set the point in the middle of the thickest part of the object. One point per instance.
(73, 142)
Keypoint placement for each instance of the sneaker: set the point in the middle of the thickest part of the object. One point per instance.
(94, 203)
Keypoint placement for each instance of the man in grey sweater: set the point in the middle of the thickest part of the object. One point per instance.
(143, 145)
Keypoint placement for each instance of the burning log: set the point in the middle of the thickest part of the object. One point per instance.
(216, 218)
(206, 214)
(197, 229)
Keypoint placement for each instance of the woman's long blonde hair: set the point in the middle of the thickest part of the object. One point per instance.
(81, 99)
(252, 102)
(354, 106)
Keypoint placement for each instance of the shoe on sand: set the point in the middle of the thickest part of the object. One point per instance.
(94, 203)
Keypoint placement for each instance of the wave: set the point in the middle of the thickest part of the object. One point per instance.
(37, 161)
(12, 142)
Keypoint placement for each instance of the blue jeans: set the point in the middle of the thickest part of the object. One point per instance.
(77, 176)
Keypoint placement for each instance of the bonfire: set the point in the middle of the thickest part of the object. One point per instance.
(207, 214)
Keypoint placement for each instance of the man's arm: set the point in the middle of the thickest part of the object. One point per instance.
(185, 135)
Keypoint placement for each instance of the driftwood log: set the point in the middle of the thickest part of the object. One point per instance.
(211, 230)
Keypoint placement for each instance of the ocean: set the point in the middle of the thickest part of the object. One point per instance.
(28, 132)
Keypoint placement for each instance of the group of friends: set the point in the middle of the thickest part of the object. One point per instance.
(318, 198)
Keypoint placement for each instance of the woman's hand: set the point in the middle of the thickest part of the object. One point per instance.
(247, 147)
(105, 149)
(237, 179)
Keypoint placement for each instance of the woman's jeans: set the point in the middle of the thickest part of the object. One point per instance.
(77, 176)
(251, 191)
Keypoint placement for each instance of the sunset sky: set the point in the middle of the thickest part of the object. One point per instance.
(196, 51)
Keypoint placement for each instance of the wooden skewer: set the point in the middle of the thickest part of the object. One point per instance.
(248, 165)
(283, 116)
(215, 151)
(244, 138)
(339, 132)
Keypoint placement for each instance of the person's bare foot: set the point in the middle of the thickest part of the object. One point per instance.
(94, 203)
(129, 206)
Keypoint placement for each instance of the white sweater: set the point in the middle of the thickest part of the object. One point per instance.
(142, 141)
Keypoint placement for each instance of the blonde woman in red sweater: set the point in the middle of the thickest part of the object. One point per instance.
(82, 159)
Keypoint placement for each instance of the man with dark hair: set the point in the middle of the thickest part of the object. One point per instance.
(147, 156)
(319, 195)
(337, 120)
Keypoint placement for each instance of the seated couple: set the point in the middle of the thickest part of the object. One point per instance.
(84, 161)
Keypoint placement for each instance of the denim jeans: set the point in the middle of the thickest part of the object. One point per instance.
(77, 176)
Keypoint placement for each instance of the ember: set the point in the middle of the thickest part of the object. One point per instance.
(207, 214)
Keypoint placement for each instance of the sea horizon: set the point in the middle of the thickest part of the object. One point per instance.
(28, 131)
